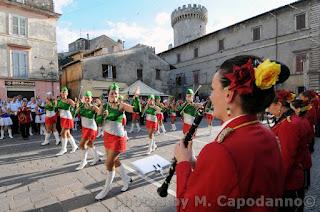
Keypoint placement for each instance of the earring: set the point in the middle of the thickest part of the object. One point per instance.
(228, 111)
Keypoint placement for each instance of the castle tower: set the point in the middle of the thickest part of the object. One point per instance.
(188, 23)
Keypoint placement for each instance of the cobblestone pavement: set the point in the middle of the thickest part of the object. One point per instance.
(33, 179)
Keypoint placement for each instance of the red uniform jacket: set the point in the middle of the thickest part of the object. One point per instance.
(316, 104)
(311, 115)
(307, 134)
(292, 141)
(24, 115)
(247, 164)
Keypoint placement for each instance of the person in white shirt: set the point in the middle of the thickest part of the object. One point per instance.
(13, 107)
(32, 104)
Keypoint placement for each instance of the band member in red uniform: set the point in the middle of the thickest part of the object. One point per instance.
(301, 108)
(311, 114)
(24, 117)
(288, 131)
(245, 159)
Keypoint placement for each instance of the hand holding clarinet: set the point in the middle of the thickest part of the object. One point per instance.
(183, 152)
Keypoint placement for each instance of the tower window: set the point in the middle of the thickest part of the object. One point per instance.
(196, 52)
(178, 58)
(256, 33)
(221, 44)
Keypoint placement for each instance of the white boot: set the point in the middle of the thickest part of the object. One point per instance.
(150, 147)
(158, 131)
(138, 126)
(154, 146)
(56, 136)
(2, 134)
(107, 187)
(63, 147)
(10, 132)
(124, 177)
(126, 135)
(100, 132)
(46, 139)
(73, 144)
(96, 157)
(131, 129)
(42, 130)
(84, 160)
(210, 130)
(163, 129)
(172, 127)
(30, 131)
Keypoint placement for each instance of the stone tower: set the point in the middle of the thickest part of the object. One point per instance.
(188, 23)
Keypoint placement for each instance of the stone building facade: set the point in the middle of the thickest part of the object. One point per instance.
(97, 72)
(28, 48)
(290, 34)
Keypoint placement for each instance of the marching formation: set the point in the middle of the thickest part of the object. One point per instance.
(247, 159)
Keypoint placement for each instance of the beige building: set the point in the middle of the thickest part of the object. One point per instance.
(28, 48)
(290, 34)
(102, 41)
(96, 70)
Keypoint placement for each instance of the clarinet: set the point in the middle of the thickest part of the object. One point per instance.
(163, 190)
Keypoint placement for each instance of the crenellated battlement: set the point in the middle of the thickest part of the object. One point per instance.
(189, 11)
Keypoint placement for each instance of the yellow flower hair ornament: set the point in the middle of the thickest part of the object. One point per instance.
(267, 74)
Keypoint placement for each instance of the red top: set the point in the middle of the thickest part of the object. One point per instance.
(247, 164)
(307, 134)
(311, 115)
(24, 115)
(316, 104)
(292, 142)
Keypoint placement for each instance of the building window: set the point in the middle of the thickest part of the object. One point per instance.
(19, 25)
(139, 74)
(196, 52)
(21, 1)
(180, 79)
(301, 62)
(178, 58)
(196, 77)
(19, 64)
(221, 45)
(109, 71)
(256, 33)
(301, 21)
(158, 76)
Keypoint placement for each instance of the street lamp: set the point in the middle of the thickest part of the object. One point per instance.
(51, 74)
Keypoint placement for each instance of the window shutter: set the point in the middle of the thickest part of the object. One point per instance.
(23, 26)
(15, 64)
(104, 70)
(15, 25)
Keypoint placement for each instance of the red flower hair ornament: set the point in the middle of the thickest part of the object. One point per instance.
(242, 79)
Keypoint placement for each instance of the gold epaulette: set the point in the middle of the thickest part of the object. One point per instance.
(228, 130)
(224, 133)
(289, 119)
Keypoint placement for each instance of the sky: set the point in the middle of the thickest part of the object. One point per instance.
(145, 21)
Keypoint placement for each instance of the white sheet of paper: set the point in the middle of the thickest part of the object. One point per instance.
(146, 165)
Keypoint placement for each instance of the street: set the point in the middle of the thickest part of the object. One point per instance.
(32, 178)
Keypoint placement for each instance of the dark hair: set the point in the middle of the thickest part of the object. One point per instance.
(259, 99)
(298, 103)
(308, 94)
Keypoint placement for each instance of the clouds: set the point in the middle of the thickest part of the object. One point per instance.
(59, 4)
(158, 35)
